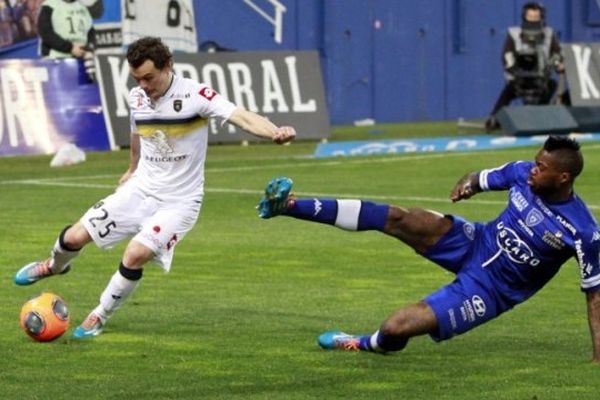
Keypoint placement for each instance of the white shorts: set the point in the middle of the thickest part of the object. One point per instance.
(129, 212)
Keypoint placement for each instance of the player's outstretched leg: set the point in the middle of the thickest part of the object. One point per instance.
(275, 200)
(375, 343)
(353, 215)
(393, 334)
(58, 263)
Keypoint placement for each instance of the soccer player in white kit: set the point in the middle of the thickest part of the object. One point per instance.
(159, 197)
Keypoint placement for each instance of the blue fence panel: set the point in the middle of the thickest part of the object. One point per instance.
(348, 44)
(391, 60)
(408, 61)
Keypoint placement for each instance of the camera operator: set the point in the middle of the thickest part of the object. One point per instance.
(531, 52)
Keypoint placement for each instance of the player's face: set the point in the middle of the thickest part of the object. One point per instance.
(153, 81)
(545, 177)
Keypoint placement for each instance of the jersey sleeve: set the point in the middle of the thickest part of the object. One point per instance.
(505, 176)
(587, 250)
(213, 104)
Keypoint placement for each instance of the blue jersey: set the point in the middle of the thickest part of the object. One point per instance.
(524, 247)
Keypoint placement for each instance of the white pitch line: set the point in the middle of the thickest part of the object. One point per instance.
(309, 164)
(340, 161)
(60, 181)
(337, 161)
(257, 193)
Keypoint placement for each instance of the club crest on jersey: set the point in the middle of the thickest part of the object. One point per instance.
(177, 104)
(534, 217)
(469, 231)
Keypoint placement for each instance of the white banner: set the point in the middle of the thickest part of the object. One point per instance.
(286, 87)
(582, 61)
(171, 20)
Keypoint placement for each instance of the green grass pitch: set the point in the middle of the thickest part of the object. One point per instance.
(238, 316)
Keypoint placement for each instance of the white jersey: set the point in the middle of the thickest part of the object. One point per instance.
(173, 137)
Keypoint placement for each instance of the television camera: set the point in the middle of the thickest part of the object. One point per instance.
(532, 71)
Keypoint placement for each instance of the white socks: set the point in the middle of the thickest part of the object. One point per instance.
(118, 290)
(61, 257)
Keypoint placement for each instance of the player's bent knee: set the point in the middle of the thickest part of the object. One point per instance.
(413, 320)
(75, 236)
(136, 255)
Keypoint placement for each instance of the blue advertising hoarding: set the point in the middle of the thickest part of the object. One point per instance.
(47, 103)
(436, 145)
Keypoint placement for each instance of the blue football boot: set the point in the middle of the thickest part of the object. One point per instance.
(33, 272)
(274, 202)
(336, 340)
(91, 327)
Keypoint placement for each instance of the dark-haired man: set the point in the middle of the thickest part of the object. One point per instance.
(498, 264)
(160, 195)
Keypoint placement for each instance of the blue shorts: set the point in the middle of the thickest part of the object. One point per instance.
(461, 306)
(470, 300)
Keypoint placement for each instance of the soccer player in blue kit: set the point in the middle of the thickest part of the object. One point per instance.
(498, 264)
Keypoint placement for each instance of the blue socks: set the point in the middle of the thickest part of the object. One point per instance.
(353, 215)
(380, 343)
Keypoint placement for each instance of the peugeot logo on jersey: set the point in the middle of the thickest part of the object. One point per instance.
(177, 104)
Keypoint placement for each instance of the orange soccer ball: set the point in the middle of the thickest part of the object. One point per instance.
(45, 317)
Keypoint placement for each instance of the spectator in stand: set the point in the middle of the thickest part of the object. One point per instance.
(29, 17)
(7, 31)
(65, 29)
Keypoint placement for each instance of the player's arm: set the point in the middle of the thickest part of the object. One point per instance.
(466, 187)
(261, 126)
(587, 251)
(134, 157)
(593, 307)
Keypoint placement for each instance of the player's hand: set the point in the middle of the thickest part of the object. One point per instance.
(125, 177)
(463, 189)
(284, 134)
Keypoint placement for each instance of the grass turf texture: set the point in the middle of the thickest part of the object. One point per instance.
(238, 316)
